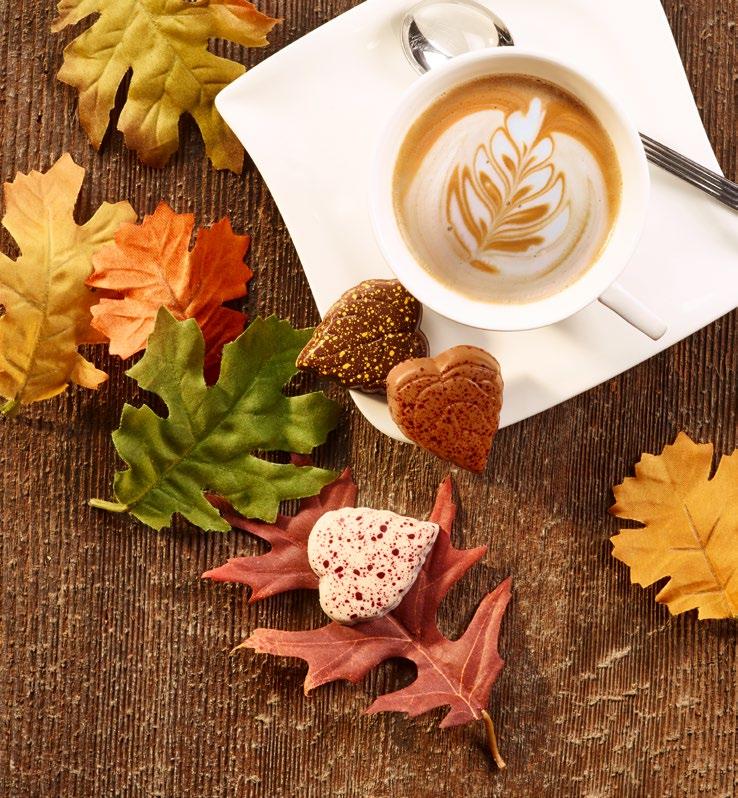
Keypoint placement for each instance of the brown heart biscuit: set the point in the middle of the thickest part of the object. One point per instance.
(449, 404)
(367, 332)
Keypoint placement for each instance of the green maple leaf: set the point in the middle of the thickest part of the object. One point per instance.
(165, 44)
(207, 440)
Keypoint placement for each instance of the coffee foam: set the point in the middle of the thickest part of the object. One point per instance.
(506, 189)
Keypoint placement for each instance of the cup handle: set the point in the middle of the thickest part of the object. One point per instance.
(633, 311)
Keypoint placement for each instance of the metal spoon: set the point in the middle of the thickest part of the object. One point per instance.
(434, 31)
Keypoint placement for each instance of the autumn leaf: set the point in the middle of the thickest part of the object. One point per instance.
(286, 566)
(165, 44)
(150, 266)
(207, 441)
(454, 673)
(47, 304)
(690, 531)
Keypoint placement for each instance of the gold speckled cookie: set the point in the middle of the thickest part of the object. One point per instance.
(366, 333)
(449, 404)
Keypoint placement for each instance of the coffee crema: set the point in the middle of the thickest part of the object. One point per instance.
(506, 189)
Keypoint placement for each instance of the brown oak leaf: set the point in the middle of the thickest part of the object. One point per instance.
(286, 566)
(150, 266)
(454, 673)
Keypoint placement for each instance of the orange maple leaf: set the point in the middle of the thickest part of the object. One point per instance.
(150, 266)
(690, 532)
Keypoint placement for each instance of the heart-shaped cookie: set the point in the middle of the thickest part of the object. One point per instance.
(367, 560)
(449, 404)
(367, 332)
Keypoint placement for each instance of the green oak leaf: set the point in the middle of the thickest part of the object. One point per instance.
(207, 440)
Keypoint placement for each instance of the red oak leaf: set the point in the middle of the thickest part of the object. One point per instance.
(150, 266)
(454, 673)
(286, 566)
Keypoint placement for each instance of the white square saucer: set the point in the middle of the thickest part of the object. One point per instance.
(309, 117)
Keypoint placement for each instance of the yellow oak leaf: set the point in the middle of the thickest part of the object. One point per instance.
(47, 304)
(691, 528)
(165, 44)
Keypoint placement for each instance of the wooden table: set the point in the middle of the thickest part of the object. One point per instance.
(116, 675)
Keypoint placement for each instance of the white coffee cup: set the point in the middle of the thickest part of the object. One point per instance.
(599, 282)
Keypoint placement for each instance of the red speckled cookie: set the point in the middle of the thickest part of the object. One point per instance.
(367, 332)
(367, 560)
(449, 404)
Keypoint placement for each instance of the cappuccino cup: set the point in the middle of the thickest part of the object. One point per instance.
(509, 191)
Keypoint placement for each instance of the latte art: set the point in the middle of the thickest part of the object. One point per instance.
(511, 195)
(506, 189)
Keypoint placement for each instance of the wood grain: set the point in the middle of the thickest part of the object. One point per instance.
(116, 675)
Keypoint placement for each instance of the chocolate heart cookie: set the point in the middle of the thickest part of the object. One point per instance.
(367, 332)
(449, 404)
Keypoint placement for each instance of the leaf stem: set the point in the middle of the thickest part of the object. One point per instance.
(10, 408)
(111, 507)
(492, 740)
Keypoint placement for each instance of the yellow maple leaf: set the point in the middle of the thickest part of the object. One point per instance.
(165, 43)
(47, 304)
(691, 528)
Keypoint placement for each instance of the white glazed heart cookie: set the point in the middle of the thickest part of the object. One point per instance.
(367, 560)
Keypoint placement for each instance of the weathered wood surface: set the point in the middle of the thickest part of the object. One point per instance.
(116, 676)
